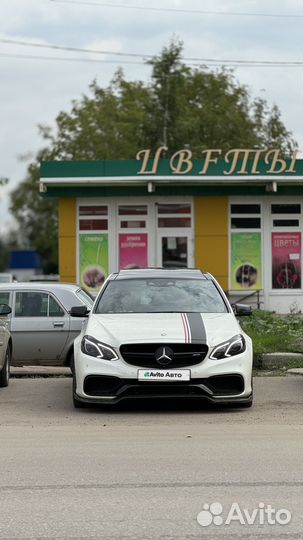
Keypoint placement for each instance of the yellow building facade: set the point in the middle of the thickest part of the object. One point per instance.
(244, 228)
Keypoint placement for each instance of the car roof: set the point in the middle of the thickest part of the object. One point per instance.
(47, 286)
(64, 292)
(184, 273)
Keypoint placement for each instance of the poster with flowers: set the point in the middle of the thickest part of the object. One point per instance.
(286, 260)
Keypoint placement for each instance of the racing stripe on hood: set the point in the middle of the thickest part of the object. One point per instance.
(196, 327)
(186, 328)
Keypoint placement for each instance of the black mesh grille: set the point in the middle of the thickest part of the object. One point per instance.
(218, 385)
(225, 384)
(102, 385)
(144, 354)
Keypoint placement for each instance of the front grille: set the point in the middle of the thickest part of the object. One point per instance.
(144, 354)
(215, 386)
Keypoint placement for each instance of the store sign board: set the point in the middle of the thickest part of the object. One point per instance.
(93, 250)
(133, 250)
(286, 260)
(246, 261)
(237, 161)
(233, 166)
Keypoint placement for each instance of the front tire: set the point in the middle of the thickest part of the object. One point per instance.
(5, 371)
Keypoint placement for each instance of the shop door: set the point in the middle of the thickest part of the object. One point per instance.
(174, 236)
(174, 250)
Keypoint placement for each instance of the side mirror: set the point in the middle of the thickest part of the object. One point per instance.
(79, 311)
(242, 310)
(5, 309)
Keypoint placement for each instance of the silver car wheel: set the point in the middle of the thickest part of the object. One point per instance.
(4, 373)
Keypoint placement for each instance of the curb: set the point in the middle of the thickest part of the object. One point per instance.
(295, 371)
(40, 371)
(282, 360)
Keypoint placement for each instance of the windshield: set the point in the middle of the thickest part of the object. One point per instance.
(85, 298)
(161, 295)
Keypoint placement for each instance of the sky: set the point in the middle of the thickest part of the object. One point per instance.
(36, 83)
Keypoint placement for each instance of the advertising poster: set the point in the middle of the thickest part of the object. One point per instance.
(133, 250)
(286, 260)
(246, 261)
(93, 261)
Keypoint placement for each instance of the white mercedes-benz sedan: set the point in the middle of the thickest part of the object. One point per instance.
(162, 333)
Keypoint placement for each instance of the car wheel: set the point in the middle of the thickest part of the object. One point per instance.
(4, 373)
(71, 361)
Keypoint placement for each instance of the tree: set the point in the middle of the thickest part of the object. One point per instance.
(8, 242)
(180, 106)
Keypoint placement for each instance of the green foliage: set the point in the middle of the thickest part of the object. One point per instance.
(7, 243)
(179, 106)
(271, 332)
(37, 219)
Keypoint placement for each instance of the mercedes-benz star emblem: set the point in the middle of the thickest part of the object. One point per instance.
(164, 355)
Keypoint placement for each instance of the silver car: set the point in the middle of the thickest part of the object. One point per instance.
(40, 324)
(5, 346)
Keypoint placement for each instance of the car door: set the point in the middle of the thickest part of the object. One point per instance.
(40, 327)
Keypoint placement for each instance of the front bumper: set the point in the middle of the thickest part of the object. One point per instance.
(122, 389)
(222, 381)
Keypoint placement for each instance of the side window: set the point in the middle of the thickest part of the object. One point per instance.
(54, 309)
(4, 297)
(31, 304)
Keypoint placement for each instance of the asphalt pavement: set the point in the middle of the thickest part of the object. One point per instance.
(146, 471)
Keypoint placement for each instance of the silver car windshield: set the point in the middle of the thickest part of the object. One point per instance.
(160, 295)
(85, 298)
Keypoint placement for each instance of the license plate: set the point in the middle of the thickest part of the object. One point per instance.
(165, 375)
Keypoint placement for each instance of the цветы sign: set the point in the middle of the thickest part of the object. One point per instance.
(237, 161)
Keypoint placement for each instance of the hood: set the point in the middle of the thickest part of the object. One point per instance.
(117, 329)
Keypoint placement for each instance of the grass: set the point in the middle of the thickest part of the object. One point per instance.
(271, 332)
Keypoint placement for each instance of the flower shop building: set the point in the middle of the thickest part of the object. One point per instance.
(237, 216)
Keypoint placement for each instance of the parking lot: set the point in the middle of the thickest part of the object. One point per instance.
(145, 470)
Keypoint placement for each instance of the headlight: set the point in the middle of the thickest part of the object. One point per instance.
(235, 345)
(93, 347)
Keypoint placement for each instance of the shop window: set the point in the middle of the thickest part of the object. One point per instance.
(93, 260)
(174, 222)
(174, 252)
(93, 211)
(93, 225)
(286, 223)
(245, 223)
(174, 209)
(133, 250)
(246, 260)
(286, 260)
(245, 209)
(246, 246)
(132, 224)
(286, 246)
(286, 209)
(133, 210)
